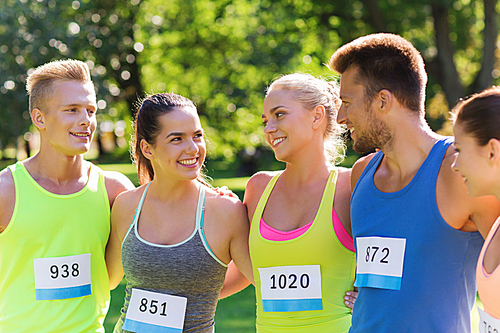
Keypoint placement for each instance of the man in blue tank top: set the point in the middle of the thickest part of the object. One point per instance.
(417, 232)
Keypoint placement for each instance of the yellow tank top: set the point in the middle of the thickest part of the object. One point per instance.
(300, 283)
(53, 275)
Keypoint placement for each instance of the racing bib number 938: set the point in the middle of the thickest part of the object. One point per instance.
(62, 277)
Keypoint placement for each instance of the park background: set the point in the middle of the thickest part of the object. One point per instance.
(222, 54)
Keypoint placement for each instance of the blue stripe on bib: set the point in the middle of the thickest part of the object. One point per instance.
(63, 293)
(137, 326)
(287, 305)
(378, 281)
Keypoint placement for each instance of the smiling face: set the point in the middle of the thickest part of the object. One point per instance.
(287, 123)
(68, 120)
(179, 150)
(367, 131)
(472, 161)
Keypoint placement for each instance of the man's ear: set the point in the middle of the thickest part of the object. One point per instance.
(319, 114)
(385, 100)
(146, 150)
(38, 118)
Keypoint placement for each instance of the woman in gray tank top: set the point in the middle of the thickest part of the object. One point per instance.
(174, 233)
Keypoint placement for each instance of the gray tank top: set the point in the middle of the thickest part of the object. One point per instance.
(188, 269)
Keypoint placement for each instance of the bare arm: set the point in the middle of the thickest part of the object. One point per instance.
(235, 281)
(122, 215)
(484, 214)
(114, 252)
(240, 273)
(116, 183)
(456, 207)
(7, 198)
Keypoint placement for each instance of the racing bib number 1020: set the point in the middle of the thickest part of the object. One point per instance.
(62, 277)
(291, 288)
(379, 262)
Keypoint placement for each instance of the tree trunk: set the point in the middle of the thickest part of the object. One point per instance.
(376, 16)
(447, 73)
(484, 78)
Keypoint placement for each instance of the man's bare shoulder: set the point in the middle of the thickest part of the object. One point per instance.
(358, 168)
(116, 183)
(6, 178)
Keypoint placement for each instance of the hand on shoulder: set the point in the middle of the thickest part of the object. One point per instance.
(226, 204)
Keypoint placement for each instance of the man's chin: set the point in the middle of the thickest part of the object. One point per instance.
(363, 149)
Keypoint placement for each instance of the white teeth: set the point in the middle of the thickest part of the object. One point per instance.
(188, 162)
(80, 134)
(275, 142)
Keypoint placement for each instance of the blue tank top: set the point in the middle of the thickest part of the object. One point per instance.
(435, 288)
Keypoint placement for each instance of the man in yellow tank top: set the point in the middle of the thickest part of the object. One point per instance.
(54, 213)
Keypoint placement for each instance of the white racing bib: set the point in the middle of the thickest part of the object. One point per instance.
(291, 288)
(155, 312)
(487, 323)
(379, 262)
(62, 277)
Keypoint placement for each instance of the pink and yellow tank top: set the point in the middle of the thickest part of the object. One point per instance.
(300, 283)
(488, 284)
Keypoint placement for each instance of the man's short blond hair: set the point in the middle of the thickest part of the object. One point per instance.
(40, 83)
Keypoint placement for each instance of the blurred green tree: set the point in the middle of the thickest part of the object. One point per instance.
(223, 53)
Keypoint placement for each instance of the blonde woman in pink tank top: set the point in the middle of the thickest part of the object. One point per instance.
(299, 116)
(476, 126)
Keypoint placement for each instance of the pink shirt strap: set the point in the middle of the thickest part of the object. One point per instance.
(276, 235)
